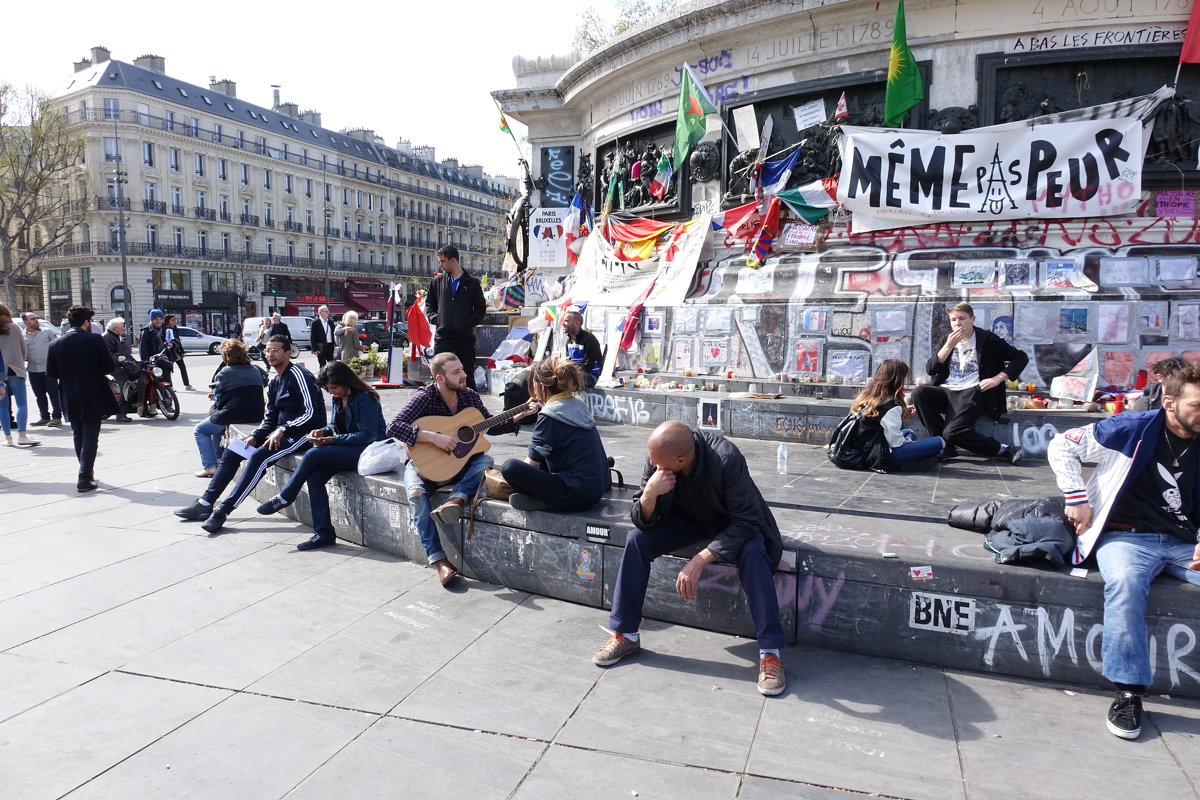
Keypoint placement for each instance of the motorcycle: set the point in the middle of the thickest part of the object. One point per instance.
(155, 375)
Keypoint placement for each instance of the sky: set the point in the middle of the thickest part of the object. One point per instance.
(413, 70)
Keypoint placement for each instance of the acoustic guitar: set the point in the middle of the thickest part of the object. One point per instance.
(466, 428)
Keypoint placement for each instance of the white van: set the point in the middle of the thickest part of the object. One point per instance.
(297, 325)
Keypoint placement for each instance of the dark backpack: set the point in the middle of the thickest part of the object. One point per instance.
(859, 443)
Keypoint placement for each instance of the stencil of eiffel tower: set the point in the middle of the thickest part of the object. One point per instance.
(997, 188)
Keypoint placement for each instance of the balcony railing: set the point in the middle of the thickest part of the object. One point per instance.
(154, 206)
(332, 232)
(248, 219)
(269, 222)
(201, 212)
(111, 203)
(364, 237)
(224, 216)
(293, 226)
(386, 239)
(178, 211)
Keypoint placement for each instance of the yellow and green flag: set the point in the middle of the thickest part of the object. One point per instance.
(904, 88)
(695, 105)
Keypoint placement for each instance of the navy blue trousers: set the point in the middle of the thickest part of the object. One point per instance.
(672, 533)
(316, 468)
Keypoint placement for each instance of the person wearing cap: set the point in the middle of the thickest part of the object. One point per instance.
(151, 343)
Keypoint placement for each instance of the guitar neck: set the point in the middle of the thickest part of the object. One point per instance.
(500, 419)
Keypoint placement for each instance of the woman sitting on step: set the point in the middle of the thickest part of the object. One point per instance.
(566, 468)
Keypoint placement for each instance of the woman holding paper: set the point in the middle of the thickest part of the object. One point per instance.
(357, 422)
(237, 395)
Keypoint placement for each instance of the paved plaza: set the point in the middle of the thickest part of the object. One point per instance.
(140, 658)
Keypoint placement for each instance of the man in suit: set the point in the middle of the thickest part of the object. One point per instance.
(80, 362)
(320, 336)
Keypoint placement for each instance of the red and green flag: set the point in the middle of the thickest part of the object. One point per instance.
(695, 105)
(904, 88)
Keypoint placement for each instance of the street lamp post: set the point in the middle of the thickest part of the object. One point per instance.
(121, 181)
(325, 229)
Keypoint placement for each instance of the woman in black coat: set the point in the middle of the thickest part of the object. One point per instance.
(237, 395)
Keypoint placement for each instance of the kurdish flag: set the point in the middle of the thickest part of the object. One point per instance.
(695, 105)
(904, 88)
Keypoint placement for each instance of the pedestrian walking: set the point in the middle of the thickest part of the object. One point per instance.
(348, 345)
(12, 347)
(80, 362)
(175, 345)
(45, 391)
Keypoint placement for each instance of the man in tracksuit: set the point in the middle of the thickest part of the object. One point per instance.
(455, 305)
(1138, 514)
(294, 408)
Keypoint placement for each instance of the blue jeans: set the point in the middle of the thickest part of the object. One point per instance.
(418, 491)
(670, 534)
(1129, 561)
(208, 441)
(16, 389)
(916, 450)
(316, 468)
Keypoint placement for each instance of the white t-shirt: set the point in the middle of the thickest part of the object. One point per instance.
(964, 366)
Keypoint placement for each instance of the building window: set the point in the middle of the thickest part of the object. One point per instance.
(291, 252)
(269, 214)
(169, 120)
(173, 159)
(308, 187)
(289, 214)
(222, 169)
(245, 208)
(248, 242)
(176, 200)
(219, 281)
(308, 217)
(152, 237)
(202, 199)
(287, 184)
(59, 280)
(266, 179)
(262, 145)
(111, 189)
(270, 248)
(225, 243)
(345, 197)
(112, 149)
(241, 140)
(149, 191)
(143, 114)
(112, 109)
(177, 240)
(311, 251)
(244, 171)
(360, 256)
(223, 206)
(346, 227)
(217, 133)
(178, 280)
(148, 153)
(358, 199)
(328, 192)
(199, 158)
(193, 127)
(202, 242)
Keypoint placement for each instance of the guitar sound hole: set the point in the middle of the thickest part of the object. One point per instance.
(466, 435)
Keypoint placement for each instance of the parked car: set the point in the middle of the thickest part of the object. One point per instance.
(297, 325)
(194, 341)
(374, 331)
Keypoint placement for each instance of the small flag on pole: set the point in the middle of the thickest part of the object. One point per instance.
(691, 122)
(904, 88)
(662, 178)
(841, 113)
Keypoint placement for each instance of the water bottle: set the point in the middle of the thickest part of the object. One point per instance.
(781, 459)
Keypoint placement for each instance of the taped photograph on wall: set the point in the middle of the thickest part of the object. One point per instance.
(808, 357)
(686, 320)
(1122, 272)
(1118, 368)
(848, 364)
(974, 274)
(1059, 275)
(1018, 274)
(681, 355)
(1152, 315)
(891, 319)
(1113, 323)
(714, 353)
(709, 414)
(1188, 316)
(718, 320)
(1176, 273)
(1073, 322)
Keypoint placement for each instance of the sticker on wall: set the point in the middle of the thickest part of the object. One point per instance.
(681, 355)
(1117, 368)
(813, 320)
(948, 613)
(974, 274)
(891, 319)
(1122, 271)
(1152, 315)
(920, 573)
(1188, 317)
(585, 568)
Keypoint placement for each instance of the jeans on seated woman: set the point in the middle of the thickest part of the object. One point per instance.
(915, 449)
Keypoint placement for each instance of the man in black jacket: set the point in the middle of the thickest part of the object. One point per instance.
(582, 347)
(455, 305)
(696, 488)
(968, 374)
(80, 362)
(294, 408)
(320, 336)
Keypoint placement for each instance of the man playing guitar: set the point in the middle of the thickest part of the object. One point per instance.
(445, 397)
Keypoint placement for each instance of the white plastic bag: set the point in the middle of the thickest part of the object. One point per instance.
(383, 456)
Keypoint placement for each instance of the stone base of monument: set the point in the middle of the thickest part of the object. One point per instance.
(913, 590)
